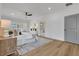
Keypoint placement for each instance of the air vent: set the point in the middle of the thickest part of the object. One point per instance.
(68, 4)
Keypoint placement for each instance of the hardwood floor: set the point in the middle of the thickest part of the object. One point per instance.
(56, 48)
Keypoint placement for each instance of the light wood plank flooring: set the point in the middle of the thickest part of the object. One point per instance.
(55, 48)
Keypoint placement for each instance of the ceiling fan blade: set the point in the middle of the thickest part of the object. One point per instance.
(29, 15)
(26, 13)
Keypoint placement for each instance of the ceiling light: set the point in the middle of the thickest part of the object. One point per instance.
(49, 8)
(12, 14)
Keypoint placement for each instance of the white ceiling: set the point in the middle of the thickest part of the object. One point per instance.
(18, 10)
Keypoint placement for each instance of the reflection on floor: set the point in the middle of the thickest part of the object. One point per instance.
(33, 45)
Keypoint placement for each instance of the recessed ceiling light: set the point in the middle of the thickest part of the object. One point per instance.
(12, 14)
(49, 8)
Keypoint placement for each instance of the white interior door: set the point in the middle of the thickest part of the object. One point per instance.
(70, 29)
(42, 28)
(78, 28)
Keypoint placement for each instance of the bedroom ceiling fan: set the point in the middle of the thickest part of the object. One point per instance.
(28, 14)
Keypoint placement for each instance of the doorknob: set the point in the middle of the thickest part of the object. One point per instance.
(64, 29)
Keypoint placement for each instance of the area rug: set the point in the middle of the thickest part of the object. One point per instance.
(30, 46)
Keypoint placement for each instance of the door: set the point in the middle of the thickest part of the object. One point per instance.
(42, 28)
(70, 29)
(78, 28)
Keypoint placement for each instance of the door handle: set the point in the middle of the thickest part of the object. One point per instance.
(64, 29)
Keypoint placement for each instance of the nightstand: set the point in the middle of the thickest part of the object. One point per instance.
(7, 45)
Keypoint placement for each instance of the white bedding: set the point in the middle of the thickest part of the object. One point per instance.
(24, 38)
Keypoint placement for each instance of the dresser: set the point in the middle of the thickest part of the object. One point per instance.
(7, 45)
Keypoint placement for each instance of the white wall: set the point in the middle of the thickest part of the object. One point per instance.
(0, 10)
(54, 26)
(55, 22)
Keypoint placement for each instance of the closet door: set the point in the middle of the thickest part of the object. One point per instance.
(70, 28)
(78, 28)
